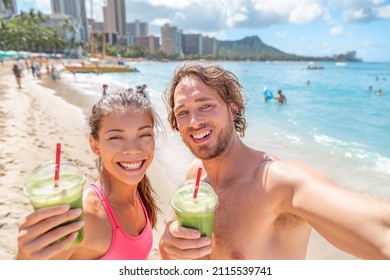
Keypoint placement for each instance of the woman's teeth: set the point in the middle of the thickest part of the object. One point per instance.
(127, 165)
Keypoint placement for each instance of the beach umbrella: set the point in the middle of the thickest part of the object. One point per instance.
(24, 54)
(11, 53)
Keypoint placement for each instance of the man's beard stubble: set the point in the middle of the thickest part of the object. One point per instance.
(206, 151)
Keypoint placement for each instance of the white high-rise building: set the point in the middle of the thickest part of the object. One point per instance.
(75, 9)
(171, 39)
(7, 8)
(115, 21)
(136, 29)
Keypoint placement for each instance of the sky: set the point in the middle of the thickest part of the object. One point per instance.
(302, 27)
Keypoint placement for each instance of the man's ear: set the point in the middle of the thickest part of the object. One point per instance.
(94, 146)
(233, 109)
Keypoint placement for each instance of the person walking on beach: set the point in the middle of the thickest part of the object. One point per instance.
(105, 86)
(119, 209)
(267, 206)
(18, 75)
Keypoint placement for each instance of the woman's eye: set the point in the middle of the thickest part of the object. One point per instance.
(206, 106)
(114, 138)
(146, 134)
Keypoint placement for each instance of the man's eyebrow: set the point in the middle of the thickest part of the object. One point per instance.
(200, 99)
(178, 107)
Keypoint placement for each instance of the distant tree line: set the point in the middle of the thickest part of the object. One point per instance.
(26, 32)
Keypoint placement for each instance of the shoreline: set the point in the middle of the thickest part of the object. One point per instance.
(35, 117)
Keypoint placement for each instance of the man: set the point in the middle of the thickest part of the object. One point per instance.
(281, 97)
(267, 206)
(105, 86)
(18, 75)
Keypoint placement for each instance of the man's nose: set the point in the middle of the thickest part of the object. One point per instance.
(196, 119)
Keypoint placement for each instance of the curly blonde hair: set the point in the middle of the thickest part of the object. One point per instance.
(214, 76)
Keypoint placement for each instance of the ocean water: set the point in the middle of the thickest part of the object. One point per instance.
(335, 123)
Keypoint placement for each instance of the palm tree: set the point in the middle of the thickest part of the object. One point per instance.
(27, 29)
(69, 26)
(5, 33)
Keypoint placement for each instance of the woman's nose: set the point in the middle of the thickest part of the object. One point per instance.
(132, 148)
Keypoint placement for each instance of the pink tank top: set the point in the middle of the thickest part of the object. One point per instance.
(124, 246)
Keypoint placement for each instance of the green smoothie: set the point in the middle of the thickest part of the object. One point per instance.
(196, 213)
(42, 193)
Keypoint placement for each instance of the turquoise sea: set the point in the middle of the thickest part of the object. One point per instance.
(335, 123)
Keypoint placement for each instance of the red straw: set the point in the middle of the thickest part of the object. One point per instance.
(197, 182)
(57, 170)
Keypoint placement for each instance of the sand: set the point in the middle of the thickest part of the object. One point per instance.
(33, 119)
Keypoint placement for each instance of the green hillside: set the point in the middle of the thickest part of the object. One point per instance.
(253, 48)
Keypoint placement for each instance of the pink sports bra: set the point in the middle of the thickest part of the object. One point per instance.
(124, 246)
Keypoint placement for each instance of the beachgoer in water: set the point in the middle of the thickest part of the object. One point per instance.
(268, 95)
(281, 97)
(379, 92)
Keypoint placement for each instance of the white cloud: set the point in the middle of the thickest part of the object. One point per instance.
(336, 31)
(383, 12)
(364, 10)
(378, 2)
(307, 13)
(175, 4)
(359, 14)
(293, 11)
(235, 18)
(160, 21)
(233, 11)
(180, 16)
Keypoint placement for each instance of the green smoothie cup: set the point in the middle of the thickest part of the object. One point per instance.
(196, 213)
(41, 191)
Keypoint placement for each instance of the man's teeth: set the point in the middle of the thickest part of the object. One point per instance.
(131, 165)
(201, 135)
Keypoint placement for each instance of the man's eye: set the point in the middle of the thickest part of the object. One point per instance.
(182, 113)
(206, 106)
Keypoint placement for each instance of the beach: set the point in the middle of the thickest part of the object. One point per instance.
(40, 114)
(32, 120)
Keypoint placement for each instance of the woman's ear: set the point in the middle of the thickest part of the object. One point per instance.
(94, 146)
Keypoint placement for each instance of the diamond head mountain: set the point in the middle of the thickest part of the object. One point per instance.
(252, 48)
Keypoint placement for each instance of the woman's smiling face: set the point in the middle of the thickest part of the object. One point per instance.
(126, 144)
